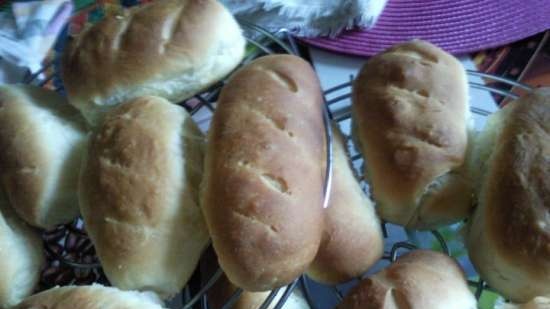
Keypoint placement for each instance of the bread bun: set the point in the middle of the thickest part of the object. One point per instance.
(509, 235)
(352, 240)
(421, 279)
(90, 297)
(21, 257)
(42, 139)
(139, 196)
(262, 189)
(170, 48)
(410, 112)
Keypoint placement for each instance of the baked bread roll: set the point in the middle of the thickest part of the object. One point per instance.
(509, 234)
(42, 139)
(139, 196)
(421, 279)
(410, 113)
(262, 190)
(21, 257)
(352, 241)
(170, 48)
(90, 297)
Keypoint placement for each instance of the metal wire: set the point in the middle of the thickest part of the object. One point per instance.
(329, 159)
(265, 49)
(442, 242)
(233, 299)
(269, 299)
(217, 275)
(67, 261)
(267, 34)
(400, 245)
(500, 79)
(338, 294)
(286, 294)
(307, 292)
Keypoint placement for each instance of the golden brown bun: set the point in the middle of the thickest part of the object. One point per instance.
(410, 111)
(42, 139)
(421, 279)
(352, 240)
(170, 48)
(509, 235)
(139, 196)
(262, 190)
(90, 297)
(221, 292)
(21, 257)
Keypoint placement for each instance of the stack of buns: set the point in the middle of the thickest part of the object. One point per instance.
(152, 189)
(140, 175)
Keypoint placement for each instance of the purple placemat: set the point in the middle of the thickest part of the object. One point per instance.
(458, 26)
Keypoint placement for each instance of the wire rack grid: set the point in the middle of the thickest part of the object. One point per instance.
(71, 254)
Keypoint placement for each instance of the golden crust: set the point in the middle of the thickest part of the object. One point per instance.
(147, 50)
(262, 190)
(421, 279)
(517, 192)
(89, 297)
(509, 238)
(21, 256)
(352, 239)
(139, 195)
(409, 110)
(34, 124)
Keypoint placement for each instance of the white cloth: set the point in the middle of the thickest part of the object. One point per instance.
(308, 18)
(27, 33)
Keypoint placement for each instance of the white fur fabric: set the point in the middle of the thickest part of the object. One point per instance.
(308, 18)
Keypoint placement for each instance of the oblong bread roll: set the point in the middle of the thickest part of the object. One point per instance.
(170, 48)
(91, 297)
(139, 196)
(21, 256)
(509, 234)
(420, 279)
(410, 118)
(42, 140)
(262, 189)
(352, 239)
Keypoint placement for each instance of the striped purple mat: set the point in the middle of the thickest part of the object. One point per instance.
(458, 26)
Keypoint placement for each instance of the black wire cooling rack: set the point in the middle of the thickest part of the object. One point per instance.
(70, 253)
